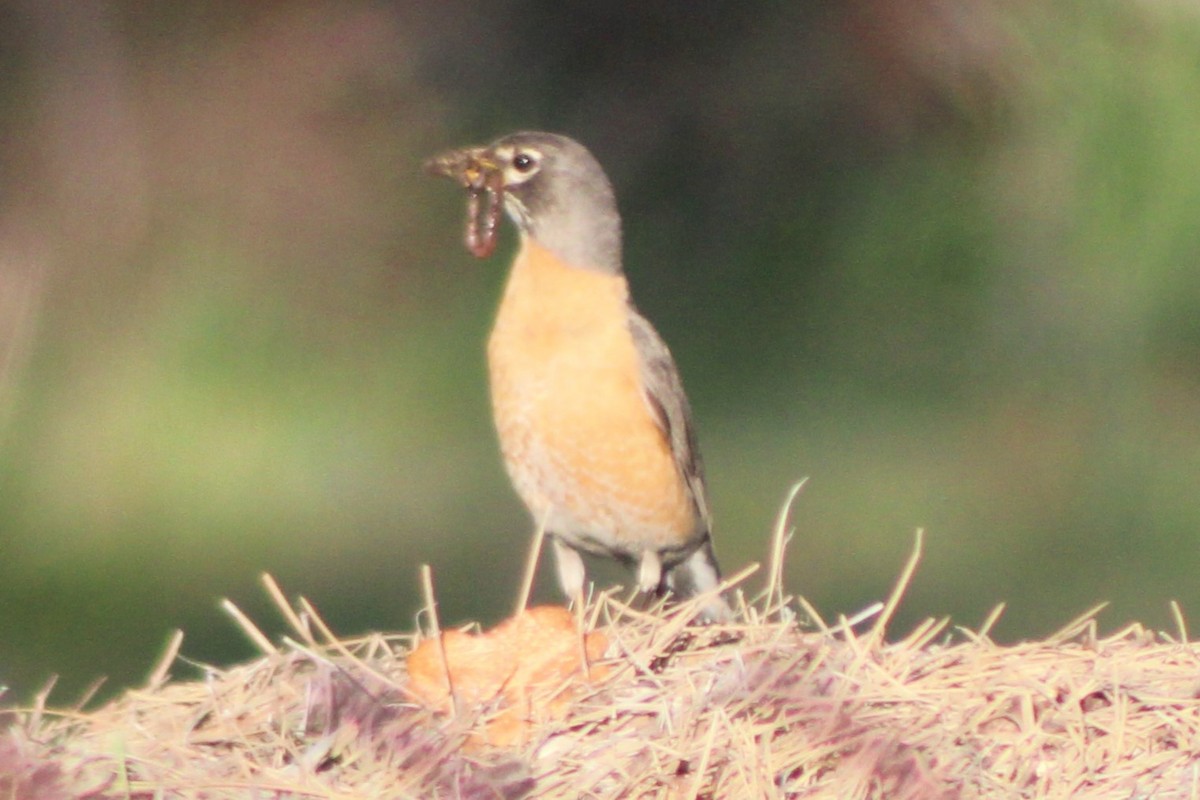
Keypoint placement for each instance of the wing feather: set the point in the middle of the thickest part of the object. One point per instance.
(663, 392)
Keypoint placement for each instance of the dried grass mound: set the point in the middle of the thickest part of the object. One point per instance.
(658, 708)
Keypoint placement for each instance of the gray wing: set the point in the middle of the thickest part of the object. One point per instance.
(669, 405)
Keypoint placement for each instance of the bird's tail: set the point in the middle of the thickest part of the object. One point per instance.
(697, 574)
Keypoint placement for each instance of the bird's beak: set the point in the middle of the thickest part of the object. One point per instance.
(476, 170)
(471, 167)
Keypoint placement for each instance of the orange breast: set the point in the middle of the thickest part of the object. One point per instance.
(577, 435)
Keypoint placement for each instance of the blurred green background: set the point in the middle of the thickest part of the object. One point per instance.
(941, 256)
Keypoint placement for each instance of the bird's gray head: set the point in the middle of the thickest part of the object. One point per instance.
(552, 188)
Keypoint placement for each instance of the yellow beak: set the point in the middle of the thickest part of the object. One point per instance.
(470, 167)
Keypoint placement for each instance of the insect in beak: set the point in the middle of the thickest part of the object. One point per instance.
(481, 176)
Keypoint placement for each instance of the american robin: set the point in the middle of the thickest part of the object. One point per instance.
(594, 426)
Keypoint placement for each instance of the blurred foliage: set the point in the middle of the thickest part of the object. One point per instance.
(939, 256)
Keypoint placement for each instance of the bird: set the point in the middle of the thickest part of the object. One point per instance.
(594, 426)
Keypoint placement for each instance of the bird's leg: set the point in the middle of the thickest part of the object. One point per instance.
(571, 575)
(570, 570)
(649, 572)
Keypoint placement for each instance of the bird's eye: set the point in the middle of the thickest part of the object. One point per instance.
(523, 162)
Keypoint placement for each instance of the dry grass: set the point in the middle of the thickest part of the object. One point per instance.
(765, 708)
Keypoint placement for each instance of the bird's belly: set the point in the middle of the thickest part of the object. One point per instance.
(581, 446)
